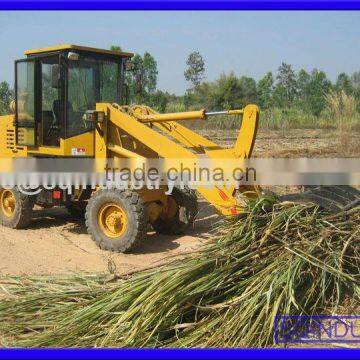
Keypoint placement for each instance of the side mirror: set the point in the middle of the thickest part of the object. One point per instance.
(55, 76)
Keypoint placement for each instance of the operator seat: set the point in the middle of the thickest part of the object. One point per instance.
(56, 110)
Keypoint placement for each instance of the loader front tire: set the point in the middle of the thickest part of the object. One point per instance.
(116, 219)
(184, 218)
(15, 208)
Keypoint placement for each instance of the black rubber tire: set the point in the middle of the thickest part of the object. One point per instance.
(184, 219)
(137, 219)
(23, 211)
(76, 209)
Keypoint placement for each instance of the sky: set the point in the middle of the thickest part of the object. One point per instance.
(247, 43)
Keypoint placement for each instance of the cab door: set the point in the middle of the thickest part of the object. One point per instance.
(25, 104)
(51, 101)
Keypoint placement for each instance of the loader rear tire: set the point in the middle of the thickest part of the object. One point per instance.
(116, 219)
(15, 208)
(186, 200)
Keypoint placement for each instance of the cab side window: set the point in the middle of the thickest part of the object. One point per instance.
(25, 100)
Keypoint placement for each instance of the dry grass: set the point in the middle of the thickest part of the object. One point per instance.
(343, 111)
(342, 107)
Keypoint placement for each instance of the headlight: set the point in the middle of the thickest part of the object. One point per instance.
(95, 116)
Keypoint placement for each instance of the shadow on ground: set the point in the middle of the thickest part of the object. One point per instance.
(58, 219)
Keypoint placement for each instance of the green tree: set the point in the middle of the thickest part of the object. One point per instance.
(285, 90)
(135, 79)
(150, 72)
(343, 83)
(265, 89)
(248, 91)
(142, 79)
(6, 96)
(115, 48)
(195, 68)
(206, 94)
(302, 83)
(159, 100)
(227, 92)
(315, 91)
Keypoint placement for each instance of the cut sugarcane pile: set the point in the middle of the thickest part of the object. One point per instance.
(276, 259)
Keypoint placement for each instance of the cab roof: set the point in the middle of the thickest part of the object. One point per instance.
(79, 48)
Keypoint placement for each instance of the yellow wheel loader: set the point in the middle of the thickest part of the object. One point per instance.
(71, 102)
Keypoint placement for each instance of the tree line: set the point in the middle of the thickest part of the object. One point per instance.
(285, 89)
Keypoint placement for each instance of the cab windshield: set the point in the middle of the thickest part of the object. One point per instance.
(90, 81)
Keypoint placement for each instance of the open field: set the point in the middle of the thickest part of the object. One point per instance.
(295, 142)
(54, 243)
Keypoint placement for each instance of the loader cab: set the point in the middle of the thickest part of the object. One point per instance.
(55, 87)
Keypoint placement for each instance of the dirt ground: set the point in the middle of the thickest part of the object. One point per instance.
(54, 243)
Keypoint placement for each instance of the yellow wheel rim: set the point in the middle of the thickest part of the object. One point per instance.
(7, 202)
(112, 220)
